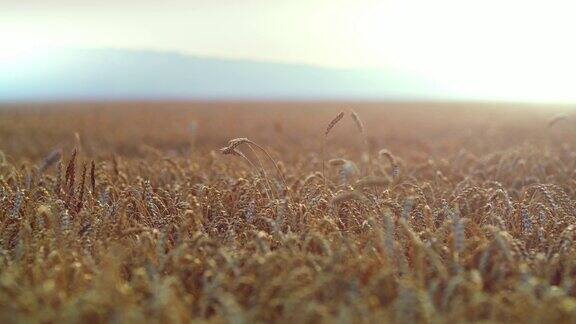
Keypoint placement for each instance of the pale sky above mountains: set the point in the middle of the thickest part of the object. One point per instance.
(489, 49)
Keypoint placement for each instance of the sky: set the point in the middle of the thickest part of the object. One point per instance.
(519, 50)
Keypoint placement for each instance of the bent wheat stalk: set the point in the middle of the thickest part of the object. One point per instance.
(232, 149)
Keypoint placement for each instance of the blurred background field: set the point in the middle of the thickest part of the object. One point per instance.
(420, 130)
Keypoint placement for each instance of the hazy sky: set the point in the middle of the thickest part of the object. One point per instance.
(492, 49)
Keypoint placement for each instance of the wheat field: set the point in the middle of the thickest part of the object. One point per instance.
(278, 212)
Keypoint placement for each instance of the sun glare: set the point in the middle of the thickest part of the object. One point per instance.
(513, 50)
(20, 48)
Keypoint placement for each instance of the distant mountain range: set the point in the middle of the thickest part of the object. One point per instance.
(112, 74)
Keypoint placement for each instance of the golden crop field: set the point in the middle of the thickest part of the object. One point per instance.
(278, 212)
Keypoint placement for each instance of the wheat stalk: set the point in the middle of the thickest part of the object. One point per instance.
(331, 125)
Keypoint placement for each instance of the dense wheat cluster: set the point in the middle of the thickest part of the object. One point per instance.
(294, 213)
